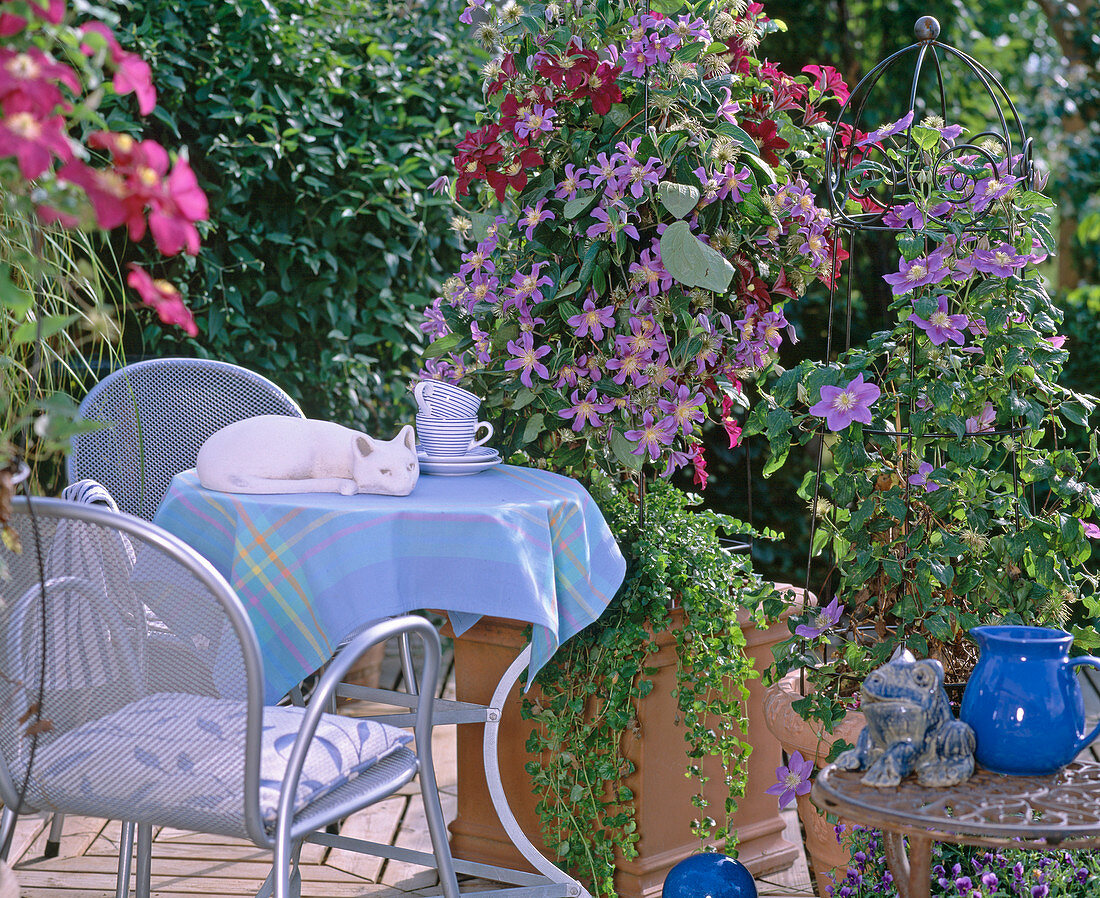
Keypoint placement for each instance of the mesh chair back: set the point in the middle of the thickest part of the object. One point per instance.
(130, 713)
(158, 414)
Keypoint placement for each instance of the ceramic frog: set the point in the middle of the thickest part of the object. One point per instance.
(910, 728)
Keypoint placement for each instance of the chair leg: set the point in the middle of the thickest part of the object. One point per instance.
(437, 826)
(125, 855)
(7, 830)
(288, 878)
(144, 868)
(53, 840)
(408, 669)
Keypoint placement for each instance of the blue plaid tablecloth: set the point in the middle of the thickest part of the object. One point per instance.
(312, 567)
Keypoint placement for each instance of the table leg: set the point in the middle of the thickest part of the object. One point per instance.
(496, 788)
(912, 871)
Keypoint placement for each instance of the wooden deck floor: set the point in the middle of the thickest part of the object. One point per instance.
(189, 864)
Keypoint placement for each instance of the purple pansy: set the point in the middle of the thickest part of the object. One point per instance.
(825, 619)
(840, 406)
(941, 326)
(792, 780)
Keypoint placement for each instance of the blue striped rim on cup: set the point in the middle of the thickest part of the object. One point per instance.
(442, 437)
(444, 400)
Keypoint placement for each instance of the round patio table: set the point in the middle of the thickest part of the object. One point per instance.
(1044, 813)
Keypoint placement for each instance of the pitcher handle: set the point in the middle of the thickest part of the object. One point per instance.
(1086, 661)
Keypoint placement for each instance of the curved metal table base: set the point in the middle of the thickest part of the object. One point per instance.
(551, 881)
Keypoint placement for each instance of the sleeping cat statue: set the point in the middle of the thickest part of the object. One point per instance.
(280, 454)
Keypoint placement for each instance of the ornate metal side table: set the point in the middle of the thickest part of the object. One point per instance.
(1043, 813)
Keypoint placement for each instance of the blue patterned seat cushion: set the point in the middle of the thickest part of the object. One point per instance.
(175, 750)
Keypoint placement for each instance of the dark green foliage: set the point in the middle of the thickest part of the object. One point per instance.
(315, 127)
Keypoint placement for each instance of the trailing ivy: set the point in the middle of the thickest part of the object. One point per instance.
(586, 707)
(315, 127)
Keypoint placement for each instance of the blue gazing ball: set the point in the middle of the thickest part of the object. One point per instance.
(709, 875)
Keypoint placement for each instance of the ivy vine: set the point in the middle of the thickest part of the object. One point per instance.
(679, 579)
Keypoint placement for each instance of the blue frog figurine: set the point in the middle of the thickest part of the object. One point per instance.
(910, 728)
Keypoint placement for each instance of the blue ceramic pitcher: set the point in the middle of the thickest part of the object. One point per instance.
(1023, 700)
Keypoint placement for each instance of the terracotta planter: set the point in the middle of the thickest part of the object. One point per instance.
(825, 854)
(663, 794)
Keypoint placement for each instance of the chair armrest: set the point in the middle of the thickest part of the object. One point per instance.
(337, 669)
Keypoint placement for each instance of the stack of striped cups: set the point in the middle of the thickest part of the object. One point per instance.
(446, 420)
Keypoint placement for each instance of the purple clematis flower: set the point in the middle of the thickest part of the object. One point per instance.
(591, 320)
(1001, 261)
(1092, 531)
(527, 358)
(533, 216)
(930, 269)
(840, 406)
(921, 478)
(940, 326)
(887, 130)
(650, 437)
(585, 411)
(983, 421)
(792, 780)
(826, 617)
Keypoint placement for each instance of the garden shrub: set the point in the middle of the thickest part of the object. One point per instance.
(315, 127)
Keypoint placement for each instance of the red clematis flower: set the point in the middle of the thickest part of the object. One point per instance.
(507, 73)
(477, 151)
(766, 138)
(514, 173)
(163, 297)
(783, 287)
(602, 87)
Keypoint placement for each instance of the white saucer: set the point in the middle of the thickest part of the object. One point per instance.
(480, 458)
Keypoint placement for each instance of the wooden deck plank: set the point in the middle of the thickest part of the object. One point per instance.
(27, 830)
(378, 823)
(414, 835)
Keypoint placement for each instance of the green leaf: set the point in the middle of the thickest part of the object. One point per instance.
(692, 262)
(441, 346)
(51, 325)
(678, 199)
(582, 205)
(536, 424)
(740, 136)
(16, 300)
(623, 449)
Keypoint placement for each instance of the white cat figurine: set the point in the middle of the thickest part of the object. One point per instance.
(280, 454)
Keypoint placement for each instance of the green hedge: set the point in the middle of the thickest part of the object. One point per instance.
(315, 126)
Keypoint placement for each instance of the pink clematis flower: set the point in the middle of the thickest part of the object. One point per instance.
(840, 406)
(163, 297)
(33, 78)
(132, 73)
(33, 141)
(983, 421)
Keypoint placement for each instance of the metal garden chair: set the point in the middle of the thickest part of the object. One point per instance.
(179, 738)
(157, 414)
